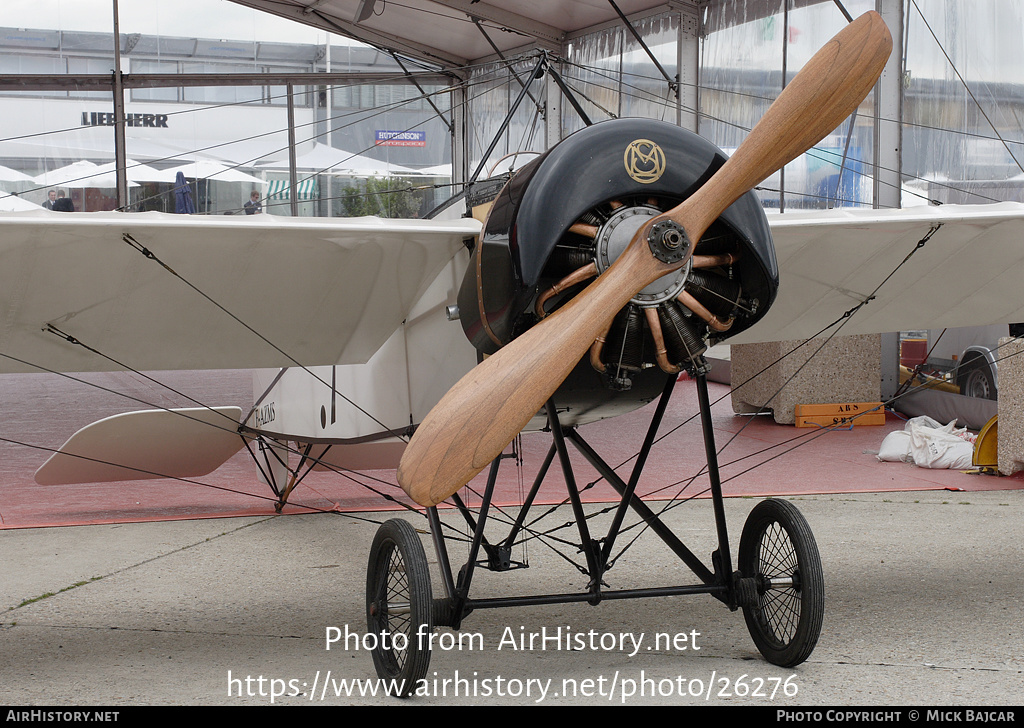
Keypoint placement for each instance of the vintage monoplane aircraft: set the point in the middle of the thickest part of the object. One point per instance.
(601, 270)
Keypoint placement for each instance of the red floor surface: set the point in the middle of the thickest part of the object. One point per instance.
(757, 457)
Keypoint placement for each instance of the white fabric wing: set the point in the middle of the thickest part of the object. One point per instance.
(319, 290)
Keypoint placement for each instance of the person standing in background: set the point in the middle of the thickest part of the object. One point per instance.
(253, 206)
(62, 203)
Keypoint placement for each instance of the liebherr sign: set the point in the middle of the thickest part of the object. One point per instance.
(105, 118)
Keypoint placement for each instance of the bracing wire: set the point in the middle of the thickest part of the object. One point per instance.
(663, 100)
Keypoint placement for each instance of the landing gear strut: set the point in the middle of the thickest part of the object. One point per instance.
(778, 583)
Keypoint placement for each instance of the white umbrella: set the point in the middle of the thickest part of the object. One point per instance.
(209, 170)
(81, 175)
(11, 175)
(64, 175)
(135, 171)
(326, 159)
(13, 203)
(440, 170)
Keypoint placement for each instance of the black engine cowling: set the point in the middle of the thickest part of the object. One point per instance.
(564, 218)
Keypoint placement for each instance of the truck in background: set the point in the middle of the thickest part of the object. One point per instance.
(967, 357)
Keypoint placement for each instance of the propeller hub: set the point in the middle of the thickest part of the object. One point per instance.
(668, 242)
(617, 232)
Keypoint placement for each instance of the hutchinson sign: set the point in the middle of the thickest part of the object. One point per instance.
(401, 138)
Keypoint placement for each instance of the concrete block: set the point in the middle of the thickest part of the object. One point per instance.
(846, 369)
(1011, 406)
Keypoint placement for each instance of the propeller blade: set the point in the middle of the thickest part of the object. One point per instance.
(481, 414)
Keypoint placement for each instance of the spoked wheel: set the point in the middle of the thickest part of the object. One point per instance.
(399, 604)
(778, 549)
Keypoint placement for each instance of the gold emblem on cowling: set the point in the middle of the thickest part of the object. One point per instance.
(644, 161)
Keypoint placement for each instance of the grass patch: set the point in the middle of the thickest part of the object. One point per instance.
(47, 595)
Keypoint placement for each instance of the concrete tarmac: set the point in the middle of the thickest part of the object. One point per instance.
(923, 607)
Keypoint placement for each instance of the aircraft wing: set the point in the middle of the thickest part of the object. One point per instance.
(967, 273)
(327, 291)
(320, 290)
(180, 443)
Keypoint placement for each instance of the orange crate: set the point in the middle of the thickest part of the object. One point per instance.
(842, 415)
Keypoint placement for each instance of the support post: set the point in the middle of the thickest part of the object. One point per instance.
(688, 68)
(889, 112)
(120, 156)
(552, 113)
(293, 192)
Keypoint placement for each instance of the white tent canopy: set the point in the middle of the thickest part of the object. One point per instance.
(242, 152)
(64, 175)
(13, 203)
(135, 171)
(87, 174)
(12, 175)
(209, 170)
(81, 175)
(325, 159)
(439, 170)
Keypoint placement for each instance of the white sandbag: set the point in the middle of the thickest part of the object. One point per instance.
(896, 448)
(939, 447)
(927, 444)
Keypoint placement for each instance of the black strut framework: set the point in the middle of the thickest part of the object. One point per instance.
(715, 580)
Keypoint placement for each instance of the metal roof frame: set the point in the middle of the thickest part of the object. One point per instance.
(450, 25)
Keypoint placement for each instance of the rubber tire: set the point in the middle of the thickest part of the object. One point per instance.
(397, 572)
(978, 381)
(784, 623)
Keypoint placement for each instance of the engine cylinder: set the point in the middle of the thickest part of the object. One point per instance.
(624, 345)
(718, 294)
(564, 260)
(684, 334)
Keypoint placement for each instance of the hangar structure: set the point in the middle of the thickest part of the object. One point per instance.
(940, 125)
(591, 60)
(941, 117)
(607, 59)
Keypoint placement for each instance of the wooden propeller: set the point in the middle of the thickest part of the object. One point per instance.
(481, 414)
